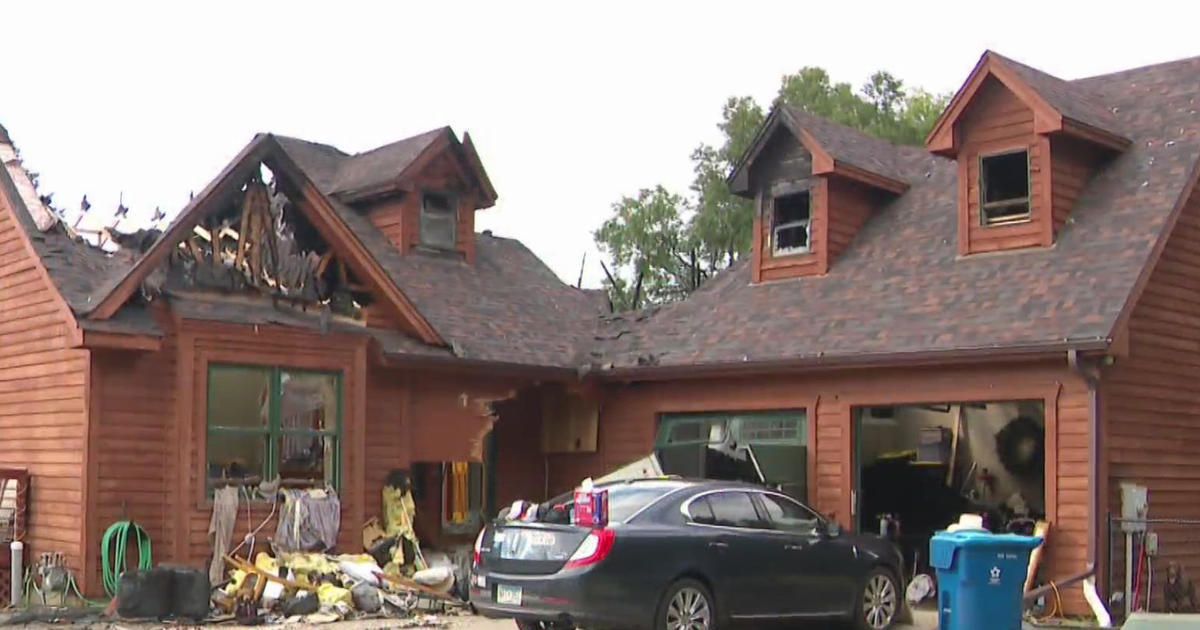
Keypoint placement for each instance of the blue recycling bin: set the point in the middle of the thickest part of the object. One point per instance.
(980, 578)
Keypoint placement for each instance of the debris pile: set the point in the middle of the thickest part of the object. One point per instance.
(301, 578)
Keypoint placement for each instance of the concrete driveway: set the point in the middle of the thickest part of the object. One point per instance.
(922, 620)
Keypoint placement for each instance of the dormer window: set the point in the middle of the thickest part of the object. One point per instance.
(791, 225)
(1004, 184)
(439, 220)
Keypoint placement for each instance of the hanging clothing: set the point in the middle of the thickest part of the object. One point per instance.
(220, 530)
(310, 521)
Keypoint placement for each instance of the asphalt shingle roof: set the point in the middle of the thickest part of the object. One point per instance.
(901, 287)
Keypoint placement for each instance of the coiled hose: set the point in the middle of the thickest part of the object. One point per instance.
(116, 541)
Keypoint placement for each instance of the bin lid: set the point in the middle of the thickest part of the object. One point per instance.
(944, 544)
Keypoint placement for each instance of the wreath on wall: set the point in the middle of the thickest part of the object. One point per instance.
(1021, 447)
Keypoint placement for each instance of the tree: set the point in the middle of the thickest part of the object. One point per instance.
(661, 246)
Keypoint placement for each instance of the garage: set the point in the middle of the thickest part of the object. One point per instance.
(919, 467)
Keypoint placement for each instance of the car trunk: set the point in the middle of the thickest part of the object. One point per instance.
(529, 548)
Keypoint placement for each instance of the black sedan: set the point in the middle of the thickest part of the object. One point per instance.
(684, 555)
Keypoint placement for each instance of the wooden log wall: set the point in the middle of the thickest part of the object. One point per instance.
(630, 416)
(997, 121)
(43, 395)
(1151, 407)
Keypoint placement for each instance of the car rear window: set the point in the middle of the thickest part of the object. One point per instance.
(624, 501)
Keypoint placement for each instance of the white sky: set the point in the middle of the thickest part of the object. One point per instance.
(570, 107)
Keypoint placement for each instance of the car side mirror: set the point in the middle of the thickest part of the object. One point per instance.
(829, 528)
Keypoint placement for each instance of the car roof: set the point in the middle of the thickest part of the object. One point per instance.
(675, 482)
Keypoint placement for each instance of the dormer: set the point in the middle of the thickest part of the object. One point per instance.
(1026, 143)
(421, 192)
(814, 184)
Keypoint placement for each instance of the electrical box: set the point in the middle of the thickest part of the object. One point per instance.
(1134, 507)
(1151, 544)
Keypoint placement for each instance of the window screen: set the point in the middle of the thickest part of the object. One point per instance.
(439, 221)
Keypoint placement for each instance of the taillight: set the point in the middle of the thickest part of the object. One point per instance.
(477, 555)
(593, 549)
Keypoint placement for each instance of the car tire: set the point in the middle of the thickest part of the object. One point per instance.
(687, 598)
(879, 601)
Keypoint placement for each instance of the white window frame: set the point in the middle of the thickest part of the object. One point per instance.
(776, 250)
(427, 216)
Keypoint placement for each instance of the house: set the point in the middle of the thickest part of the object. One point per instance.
(311, 315)
(1005, 321)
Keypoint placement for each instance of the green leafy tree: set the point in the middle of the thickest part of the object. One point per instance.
(661, 246)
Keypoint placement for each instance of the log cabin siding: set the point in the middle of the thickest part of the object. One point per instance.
(133, 399)
(995, 122)
(630, 415)
(1072, 164)
(387, 425)
(849, 206)
(1152, 403)
(785, 167)
(810, 263)
(206, 342)
(43, 396)
(390, 217)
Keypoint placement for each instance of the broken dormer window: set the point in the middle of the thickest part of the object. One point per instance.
(1004, 188)
(791, 224)
(438, 220)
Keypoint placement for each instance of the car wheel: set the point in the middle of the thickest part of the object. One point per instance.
(879, 601)
(687, 605)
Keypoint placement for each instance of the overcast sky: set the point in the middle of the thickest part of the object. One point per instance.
(570, 106)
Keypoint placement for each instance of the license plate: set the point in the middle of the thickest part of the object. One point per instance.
(541, 539)
(510, 595)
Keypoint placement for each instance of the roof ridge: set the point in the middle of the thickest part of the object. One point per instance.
(381, 147)
(313, 143)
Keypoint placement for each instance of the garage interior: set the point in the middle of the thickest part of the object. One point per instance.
(921, 466)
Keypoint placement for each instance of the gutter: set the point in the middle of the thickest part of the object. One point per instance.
(883, 359)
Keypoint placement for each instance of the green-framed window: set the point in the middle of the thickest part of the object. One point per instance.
(265, 422)
(719, 445)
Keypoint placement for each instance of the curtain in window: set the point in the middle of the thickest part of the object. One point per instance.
(458, 503)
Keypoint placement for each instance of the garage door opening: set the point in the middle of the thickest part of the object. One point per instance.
(920, 466)
(767, 447)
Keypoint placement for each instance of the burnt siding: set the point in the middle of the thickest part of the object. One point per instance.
(1152, 402)
(785, 166)
(43, 396)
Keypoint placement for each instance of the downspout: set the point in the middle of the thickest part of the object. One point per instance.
(1091, 375)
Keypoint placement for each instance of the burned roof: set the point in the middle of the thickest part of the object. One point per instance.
(506, 307)
(902, 288)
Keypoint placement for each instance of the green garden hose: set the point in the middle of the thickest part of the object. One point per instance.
(116, 539)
